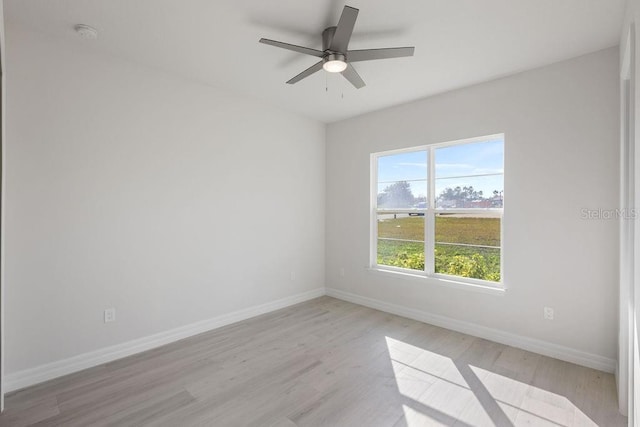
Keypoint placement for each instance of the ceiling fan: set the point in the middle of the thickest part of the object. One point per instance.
(335, 54)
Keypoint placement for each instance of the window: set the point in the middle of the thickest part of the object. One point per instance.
(437, 210)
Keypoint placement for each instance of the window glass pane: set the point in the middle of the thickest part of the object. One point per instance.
(480, 192)
(402, 167)
(401, 240)
(401, 226)
(477, 158)
(402, 195)
(470, 176)
(468, 246)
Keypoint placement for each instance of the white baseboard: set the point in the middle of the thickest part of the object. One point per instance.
(21, 379)
(530, 344)
(28, 377)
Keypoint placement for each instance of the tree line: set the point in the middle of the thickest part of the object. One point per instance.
(399, 195)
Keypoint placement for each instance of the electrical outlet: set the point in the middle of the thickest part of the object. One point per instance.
(548, 313)
(110, 315)
(341, 271)
(293, 276)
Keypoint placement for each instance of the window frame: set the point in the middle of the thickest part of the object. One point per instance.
(430, 213)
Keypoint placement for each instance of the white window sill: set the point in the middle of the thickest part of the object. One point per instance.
(439, 281)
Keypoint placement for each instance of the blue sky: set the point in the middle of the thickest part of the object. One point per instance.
(454, 164)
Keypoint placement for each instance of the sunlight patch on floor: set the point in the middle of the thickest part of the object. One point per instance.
(439, 391)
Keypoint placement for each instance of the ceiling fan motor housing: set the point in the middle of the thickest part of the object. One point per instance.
(335, 57)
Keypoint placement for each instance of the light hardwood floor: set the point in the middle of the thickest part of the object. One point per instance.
(324, 362)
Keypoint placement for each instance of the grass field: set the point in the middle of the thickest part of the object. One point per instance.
(452, 234)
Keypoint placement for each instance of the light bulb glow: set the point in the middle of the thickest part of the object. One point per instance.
(335, 63)
(335, 66)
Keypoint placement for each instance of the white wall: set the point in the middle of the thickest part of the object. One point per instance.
(171, 201)
(561, 155)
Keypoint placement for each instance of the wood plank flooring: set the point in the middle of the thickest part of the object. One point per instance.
(324, 362)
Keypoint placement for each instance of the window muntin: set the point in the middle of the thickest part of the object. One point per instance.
(442, 217)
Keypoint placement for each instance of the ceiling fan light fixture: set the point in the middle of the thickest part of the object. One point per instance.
(334, 63)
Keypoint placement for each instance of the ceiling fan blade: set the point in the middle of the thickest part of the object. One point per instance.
(354, 78)
(344, 29)
(371, 54)
(306, 73)
(293, 47)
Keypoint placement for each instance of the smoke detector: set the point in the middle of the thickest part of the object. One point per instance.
(86, 32)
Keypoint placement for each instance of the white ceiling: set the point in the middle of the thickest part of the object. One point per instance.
(458, 42)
